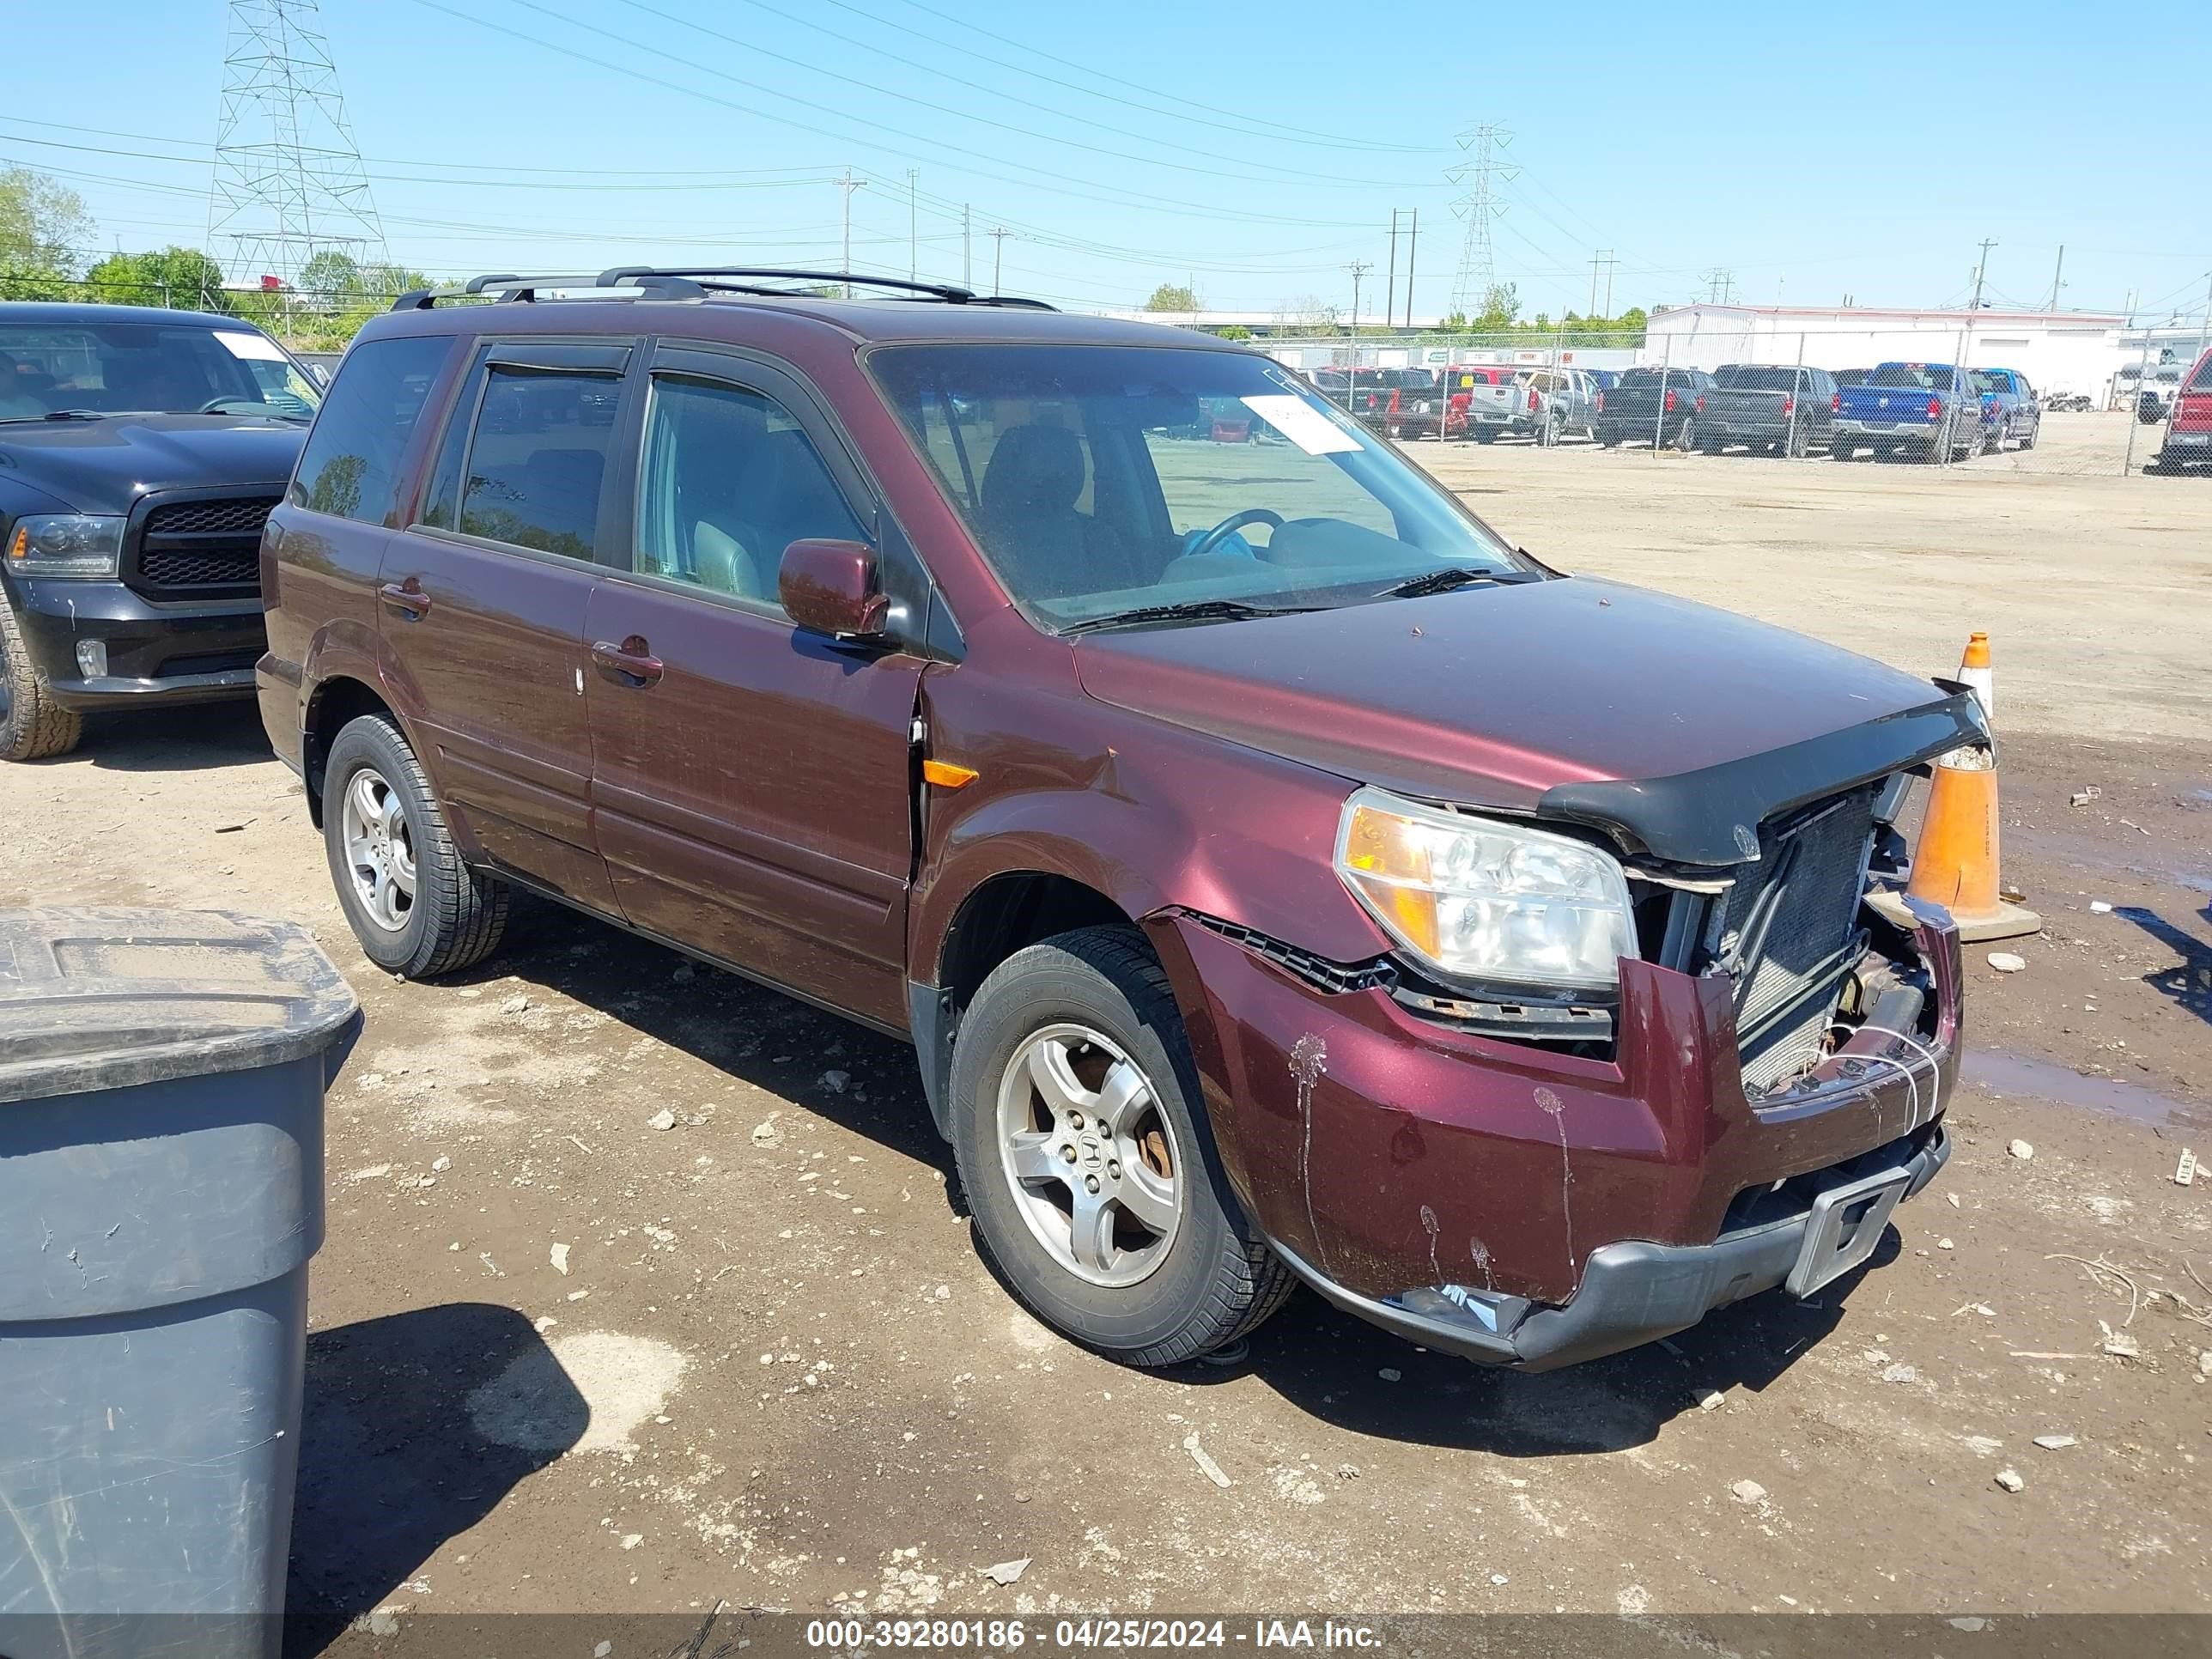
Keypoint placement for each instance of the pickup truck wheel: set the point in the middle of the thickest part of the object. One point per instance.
(33, 725)
(1096, 1195)
(1685, 435)
(1551, 431)
(416, 909)
(1841, 448)
(1797, 444)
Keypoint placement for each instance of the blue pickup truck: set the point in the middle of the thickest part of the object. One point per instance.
(1919, 409)
(2009, 407)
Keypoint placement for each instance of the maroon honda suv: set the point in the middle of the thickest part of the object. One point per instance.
(1278, 875)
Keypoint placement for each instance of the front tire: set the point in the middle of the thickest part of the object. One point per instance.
(33, 725)
(1093, 1182)
(416, 909)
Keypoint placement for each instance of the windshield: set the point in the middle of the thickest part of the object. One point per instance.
(165, 368)
(1755, 377)
(1912, 377)
(1674, 377)
(1105, 479)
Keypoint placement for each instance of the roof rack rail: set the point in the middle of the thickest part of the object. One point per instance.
(694, 282)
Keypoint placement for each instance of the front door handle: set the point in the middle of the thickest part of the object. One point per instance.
(407, 598)
(631, 664)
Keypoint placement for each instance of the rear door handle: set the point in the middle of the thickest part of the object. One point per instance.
(631, 664)
(407, 598)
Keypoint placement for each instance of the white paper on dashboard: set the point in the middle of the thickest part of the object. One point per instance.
(1301, 423)
(254, 348)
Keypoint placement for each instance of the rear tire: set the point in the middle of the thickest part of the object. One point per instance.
(33, 725)
(416, 909)
(1842, 449)
(1796, 446)
(1072, 1075)
(1685, 435)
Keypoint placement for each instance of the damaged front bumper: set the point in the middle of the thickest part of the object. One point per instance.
(1634, 1291)
(1535, 1208)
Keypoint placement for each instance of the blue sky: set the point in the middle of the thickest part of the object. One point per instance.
(1254, 150)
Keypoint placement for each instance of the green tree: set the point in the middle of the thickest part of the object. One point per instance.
(329, 281)
(1234, 331)
(43, 227)
(183, 277)
(1173, 296)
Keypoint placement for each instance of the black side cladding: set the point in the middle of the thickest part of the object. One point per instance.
(1711, 817)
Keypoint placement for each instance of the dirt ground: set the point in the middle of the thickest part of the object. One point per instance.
(562, 1360)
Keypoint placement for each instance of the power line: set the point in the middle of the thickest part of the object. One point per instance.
(1056, 181)
(1206, 114)
(1477, 265)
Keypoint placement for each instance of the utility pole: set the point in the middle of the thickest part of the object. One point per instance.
(1980, 271)
(967, 256)
(1390, 293)
(1610, 261)
(2056, 275)
(849, 184)
(913, 223)
(997, 256)
(1720, 284)
(1478, 264)
(1358, 268)
(1412, 240)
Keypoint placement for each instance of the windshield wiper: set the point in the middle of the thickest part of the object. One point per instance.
(1188, 611)
(1442, 581)
(59, 415)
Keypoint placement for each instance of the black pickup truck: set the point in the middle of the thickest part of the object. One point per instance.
(1659, 406)
(139, 451)
(1782, 410)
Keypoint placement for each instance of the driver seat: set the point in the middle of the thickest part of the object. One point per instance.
(1029, 516)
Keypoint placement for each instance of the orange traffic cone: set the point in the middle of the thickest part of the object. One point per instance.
(1955, 863)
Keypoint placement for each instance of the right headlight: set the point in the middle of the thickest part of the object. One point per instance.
(1482, 899)
(72, 544)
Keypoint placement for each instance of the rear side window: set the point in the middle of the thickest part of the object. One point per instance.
(350, 465)
(537, 458)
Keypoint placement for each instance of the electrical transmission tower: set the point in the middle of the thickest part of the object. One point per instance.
(289, 180)
(1477, 266)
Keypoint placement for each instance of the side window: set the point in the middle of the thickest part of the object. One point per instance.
(729, 480)
(350, 465)
(537, 458)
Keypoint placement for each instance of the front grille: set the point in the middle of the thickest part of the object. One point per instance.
(1790, 930)
(202, 548)
(239, 517)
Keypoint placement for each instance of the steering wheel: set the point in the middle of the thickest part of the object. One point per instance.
(214, 405)
(1235, 521)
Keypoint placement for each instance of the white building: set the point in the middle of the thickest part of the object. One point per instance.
(2070, 351)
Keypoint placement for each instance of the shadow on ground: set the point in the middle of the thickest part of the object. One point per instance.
(1326, 1362)
(204, 738)
(392, 1464)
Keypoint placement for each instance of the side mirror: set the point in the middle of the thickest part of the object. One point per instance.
(831, 587)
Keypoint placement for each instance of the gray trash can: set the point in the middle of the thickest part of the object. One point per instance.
(161, 1077)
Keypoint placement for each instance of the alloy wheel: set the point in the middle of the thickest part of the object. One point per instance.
(380, 847)
(1091, 1160)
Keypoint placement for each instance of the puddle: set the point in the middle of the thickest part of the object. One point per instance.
(2149, 860)
(2009, 1074)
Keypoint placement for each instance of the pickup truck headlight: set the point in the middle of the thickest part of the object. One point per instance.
(1480, 899)
(71, 544)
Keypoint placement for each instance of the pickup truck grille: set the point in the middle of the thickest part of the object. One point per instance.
(202, 550)
(1790, 932)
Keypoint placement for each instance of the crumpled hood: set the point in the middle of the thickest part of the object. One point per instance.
(1494, 696)
(103, 466)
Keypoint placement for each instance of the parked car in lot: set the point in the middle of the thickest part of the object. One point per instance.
(1658, 406)
(1278, 876)
(139, 451)
(1558, 401)
(1782, 409)
(1926, 410)
(1494, 398)
(2187, 441)
(2010, 409)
